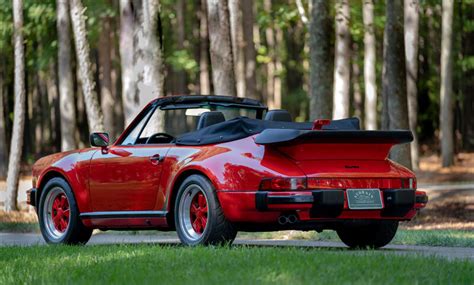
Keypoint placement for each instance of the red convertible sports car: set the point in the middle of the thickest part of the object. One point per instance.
(209, 166)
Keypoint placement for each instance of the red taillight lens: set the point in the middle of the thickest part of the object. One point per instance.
(283, 183)
(408, 183)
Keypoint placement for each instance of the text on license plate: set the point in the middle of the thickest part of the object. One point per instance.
(364, 199)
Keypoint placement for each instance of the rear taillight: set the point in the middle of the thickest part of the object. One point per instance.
(283, 183)
(408, 183)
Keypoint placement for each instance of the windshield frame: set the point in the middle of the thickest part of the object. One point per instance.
(149, 110)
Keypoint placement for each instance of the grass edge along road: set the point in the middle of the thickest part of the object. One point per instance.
(452, 238)
(145, 263)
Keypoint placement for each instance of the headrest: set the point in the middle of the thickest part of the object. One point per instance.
(278, 115)
(210, 118)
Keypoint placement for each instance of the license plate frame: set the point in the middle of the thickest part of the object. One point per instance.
(364, 199)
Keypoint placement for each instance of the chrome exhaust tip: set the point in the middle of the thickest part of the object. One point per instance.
(282, 220)
(292, 219)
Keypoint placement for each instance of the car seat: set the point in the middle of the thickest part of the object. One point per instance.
(210, 118)
(278, 115)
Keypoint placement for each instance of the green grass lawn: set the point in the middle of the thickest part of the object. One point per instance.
(455, 238)
(155, 264)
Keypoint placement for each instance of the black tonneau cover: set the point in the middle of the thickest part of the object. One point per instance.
(242, 127)
(278, 136)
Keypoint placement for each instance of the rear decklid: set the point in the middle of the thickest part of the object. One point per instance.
(302, 145)
(340, 158)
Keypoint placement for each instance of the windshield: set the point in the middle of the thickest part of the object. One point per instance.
(177, 121)
(180, 121)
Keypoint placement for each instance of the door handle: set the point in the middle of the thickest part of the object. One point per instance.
(155, 159)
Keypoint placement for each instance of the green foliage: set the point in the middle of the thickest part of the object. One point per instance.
(6, 25)
(290, 48)
(182, 60)
(39, 31)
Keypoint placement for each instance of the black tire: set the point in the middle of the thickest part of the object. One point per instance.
(372, 235)
(75, 232)
(217, 231)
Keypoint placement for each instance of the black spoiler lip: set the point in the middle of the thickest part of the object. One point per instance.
(282, 136)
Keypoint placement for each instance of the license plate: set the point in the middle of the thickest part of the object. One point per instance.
(364, 199)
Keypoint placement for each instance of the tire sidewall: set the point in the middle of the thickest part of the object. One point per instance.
(209, 193)
(74, 213)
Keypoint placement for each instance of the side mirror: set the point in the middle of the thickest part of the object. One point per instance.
(99, 139)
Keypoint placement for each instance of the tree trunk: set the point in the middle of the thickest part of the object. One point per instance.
(141, 55)
(95, 118)
(181, 87)
(446, 96)
(411, 57)
(130, 99)
(115, 73)
(220, 46)
(55, 113)
(370, 108)
(237, 40)
(148, 59)
(355, 76)
(467, 39)
(394, 78)
(3, 133)
(270, 66)
(105, 75)
(204, 76)
(19, 110)
(277, 82)
(321, 75)
(342, 58)
(248, 20)
(274, 38)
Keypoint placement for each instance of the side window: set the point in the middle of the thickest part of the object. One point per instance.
(135, 132)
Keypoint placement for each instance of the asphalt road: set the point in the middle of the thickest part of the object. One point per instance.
(11, 239)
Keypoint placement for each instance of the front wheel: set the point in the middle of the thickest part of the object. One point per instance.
(59, 216)
(198, 215)
(373, 235)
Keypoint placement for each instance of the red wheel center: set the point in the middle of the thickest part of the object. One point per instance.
(199, 213)
(60, 212)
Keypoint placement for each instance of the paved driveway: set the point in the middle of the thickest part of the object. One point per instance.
(8, 239)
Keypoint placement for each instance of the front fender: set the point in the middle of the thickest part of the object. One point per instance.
(74, 167)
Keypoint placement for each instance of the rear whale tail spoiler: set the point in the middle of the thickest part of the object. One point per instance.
(302, 145)
(284, 136)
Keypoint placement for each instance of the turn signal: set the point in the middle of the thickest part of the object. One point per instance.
(283, 183)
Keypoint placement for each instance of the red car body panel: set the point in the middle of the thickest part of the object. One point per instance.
(123, 178)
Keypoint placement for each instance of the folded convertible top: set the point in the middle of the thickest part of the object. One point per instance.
(242, 127)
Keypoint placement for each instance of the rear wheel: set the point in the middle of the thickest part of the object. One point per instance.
(59, 216)
(198, 215)
(373, 235)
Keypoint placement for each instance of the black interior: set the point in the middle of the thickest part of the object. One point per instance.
(210, 118)
(242, 127)
(278, 115)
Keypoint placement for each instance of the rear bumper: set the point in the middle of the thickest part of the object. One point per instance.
(324, 203)
(31, 197)
(327, 204)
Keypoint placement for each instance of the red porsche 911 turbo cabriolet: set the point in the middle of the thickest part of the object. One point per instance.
(209, 166)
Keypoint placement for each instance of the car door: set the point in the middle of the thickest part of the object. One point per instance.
(126, 176)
